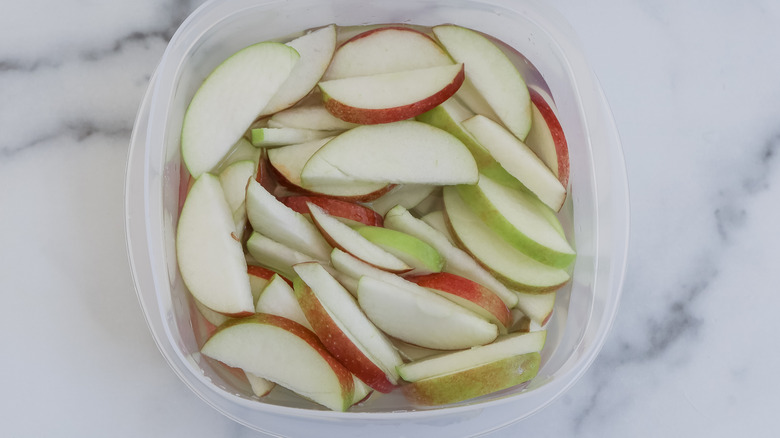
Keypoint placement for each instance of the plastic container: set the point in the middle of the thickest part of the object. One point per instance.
(598, 203)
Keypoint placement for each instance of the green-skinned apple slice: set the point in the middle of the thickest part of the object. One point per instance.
(316, 51)
(270, 217)
(390, 97)
(344, 329)
(275, 255)
(341, 236)
(309, 117)
(402, 152)
(516, 216)
(211, 260)
(272, 137)
(509, 265)
(387, 49)
(547, 139)
(473, 382)
(407, 195)
(458, 261)
(491, 75)
(278, 298)
(284, 352)
(350, 213)
(244, 83)
(519, 160)
(423, 258)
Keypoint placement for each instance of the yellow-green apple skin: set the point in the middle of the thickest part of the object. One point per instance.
(411, 250)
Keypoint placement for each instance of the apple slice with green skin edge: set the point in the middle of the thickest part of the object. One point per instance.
(309, 117)
(274, 137)
(451, 362)
(278, 298)
(288, 162)
(387, 49)
(316, 50)
(344, 329)
(494, 77)
(473, 382)
(353, 212)
(341, 236)
(260, 386)
(211, 260)
(390, 97)
(407, 195)
(469, 294)
(284, 352)
(245, 83)
(509, 265)
(421, 317)
(519, 160)
(458, 261)
(423, 258)
(402, 152)
(547, 138)
(515, 216)
(538, 307)
(275, 255)
(270, 217)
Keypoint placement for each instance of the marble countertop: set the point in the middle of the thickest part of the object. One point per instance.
(695, 93)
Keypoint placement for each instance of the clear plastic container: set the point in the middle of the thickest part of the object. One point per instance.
(598, 203)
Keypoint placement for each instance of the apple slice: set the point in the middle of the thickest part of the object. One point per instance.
(547, 139)
(260, 386)
(241, 151)
(458, 261)
(284, 352)
(387, 49)
(410, 352)
(402, 152)
(272, 137)
(275, 255)
(516, 216)
(492, 75)
(278, 298)
(538, 307)
(341, 236)
(421, 317)
(423, 258)
(390, 97)
(523, 323)
(214, 318)
(344, 329)
(258, 280)
(211, 260)
(309, 117)
(245, 83)
(234, 180)
(451, 362)
(519, 160)
(511, 266)
(469, 294)
(316, 51)
(288, 162)
(407, 195)
(270, 217)
(348, 212)
(473, 382)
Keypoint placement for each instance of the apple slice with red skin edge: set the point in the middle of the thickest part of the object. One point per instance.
(245, 83)
(274, 255)
(357, 213)
(493, 76)
(390, 97)
(316, 50)
(210, 258)
(276, 137)
(538, 307)
(407, 195)
(458, 261)
(387, 49)
(512, 267)
(421, 317)
(270, 217)
(362, 391)
(288, 162)
(344, 329)
(402, 152)
(309, 117)
(473, 382)
(341, 236)
(468, 294)
(423, 258)
(278, 298)
(284, 352)
(260, 386)
(518, 160)
(547, 138)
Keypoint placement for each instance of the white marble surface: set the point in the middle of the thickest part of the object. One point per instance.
(695, 92)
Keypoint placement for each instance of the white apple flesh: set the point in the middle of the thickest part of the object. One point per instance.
(279, 299)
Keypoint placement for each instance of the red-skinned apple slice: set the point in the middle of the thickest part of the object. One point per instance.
(468, 294)
(390, 97)
(547, 139)
(278, 298)
(387, 49)
(258, 279)
(355, 213)
(210, 257)
(344, 329)
(285, 352)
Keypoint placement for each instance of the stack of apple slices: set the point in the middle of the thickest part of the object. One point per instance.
(375, 215)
